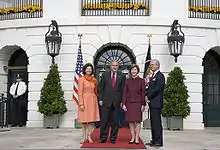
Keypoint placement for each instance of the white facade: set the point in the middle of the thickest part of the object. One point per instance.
(201, 36)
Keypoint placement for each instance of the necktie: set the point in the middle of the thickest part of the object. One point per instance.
(113, 80)
(16, 90)
(152, 77)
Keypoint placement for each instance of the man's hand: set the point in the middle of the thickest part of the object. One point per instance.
(124, 108)
(121, 105)
(15, 96)
(147, 100)
(82, 108)
(100, 103)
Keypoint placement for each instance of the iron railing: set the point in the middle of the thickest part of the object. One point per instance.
(204, 9)
(20, 9)
(115, 8)
(3, 111)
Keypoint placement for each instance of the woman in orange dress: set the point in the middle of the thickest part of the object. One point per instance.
(88, 111)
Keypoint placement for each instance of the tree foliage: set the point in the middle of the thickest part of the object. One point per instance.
(52, 96)
(176, 95)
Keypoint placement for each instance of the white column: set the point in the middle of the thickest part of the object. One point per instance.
(62, 9)
(169, 8)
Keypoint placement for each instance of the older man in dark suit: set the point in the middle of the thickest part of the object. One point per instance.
(110, 97)
(154, 98)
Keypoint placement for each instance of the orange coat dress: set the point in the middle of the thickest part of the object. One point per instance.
(88, 98)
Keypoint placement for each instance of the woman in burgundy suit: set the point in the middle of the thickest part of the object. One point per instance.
(134, 102)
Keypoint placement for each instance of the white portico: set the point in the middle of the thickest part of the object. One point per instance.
(103, 35)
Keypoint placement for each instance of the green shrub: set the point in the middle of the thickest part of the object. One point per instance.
(52, 96)
(176, 95)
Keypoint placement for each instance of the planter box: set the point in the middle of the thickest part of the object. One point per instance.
(146, 124)
(164, 122)
(51, 122)
(78, 125)
(175, 123)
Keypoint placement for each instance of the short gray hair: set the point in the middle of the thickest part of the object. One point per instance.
(114, 61)
(157, 62)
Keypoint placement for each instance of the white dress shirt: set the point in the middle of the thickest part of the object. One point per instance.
(155, 73)
(22, 87)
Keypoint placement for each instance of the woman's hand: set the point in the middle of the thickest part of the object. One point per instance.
(124, 108)
(82, 108)
(142, 108)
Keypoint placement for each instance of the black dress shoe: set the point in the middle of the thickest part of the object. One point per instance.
(151, 143)
(14, 125)
(113, 142)
(102, 141)
(158, 144)
(131, 142)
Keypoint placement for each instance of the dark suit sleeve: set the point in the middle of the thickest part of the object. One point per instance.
(143, 92)
(158, 89)
(101, 87)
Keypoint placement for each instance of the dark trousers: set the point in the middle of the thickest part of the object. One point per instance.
(19, 112)
(110, 118)
(156, 125)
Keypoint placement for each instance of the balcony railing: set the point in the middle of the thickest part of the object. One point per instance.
(115, 7)
(205, 9)
(20, 9)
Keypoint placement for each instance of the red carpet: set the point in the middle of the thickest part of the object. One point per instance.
(123, 138)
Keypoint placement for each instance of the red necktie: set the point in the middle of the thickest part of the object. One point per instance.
(152, 77)
(113, 80)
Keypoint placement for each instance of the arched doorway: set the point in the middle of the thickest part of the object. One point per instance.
(114, 51)
(17, 64)
(211, 89)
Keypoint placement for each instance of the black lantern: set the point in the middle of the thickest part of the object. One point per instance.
(175, 39)
(53, 39)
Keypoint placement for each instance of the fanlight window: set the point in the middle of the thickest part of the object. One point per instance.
(118, 55)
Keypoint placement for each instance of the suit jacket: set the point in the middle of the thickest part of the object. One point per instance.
(110, 95)
(134, 91)
(155, 91)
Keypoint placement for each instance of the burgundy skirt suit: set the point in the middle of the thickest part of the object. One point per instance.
(134, 98)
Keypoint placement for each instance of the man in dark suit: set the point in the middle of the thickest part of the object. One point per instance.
(110, 96)
(154, 98)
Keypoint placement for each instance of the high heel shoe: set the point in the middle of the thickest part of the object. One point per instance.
(83, 141)
(131, 142)
(90, 139)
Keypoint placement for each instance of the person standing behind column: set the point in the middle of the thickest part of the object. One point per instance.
(17, 90)
(110, 97)
(134, 102)
(154, 98)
